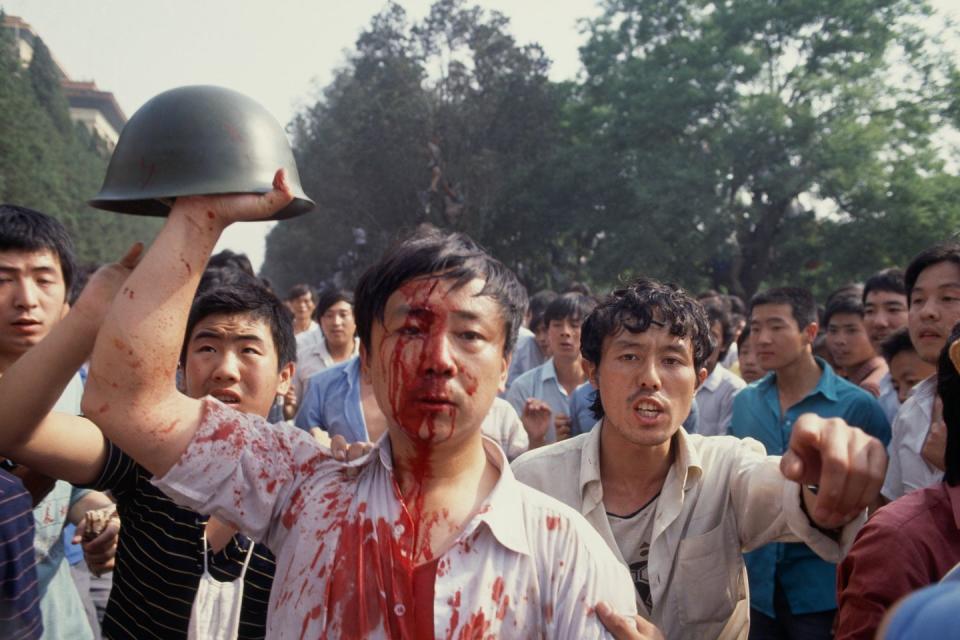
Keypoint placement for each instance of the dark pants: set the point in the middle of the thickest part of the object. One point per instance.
(790, 626)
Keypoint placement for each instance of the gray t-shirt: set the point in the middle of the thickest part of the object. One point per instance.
(633, 533)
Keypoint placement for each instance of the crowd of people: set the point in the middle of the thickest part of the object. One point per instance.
(438, 454)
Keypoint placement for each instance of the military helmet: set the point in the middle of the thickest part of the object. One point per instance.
(197, 140)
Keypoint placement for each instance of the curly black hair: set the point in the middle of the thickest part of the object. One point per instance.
(634, 308)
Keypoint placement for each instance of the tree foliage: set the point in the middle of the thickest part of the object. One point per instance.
(50, 164)
(731, 145)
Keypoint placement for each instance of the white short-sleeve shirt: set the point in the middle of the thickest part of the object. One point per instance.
(907, 470)
(343, 541)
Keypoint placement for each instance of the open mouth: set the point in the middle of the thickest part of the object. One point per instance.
(649, 409)
(226, 396)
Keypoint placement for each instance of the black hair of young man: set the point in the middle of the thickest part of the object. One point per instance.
(743, 337)
(897, 342)
(800, 300)
(851, 290)
(717, 311)
(298, 290)
(26, 230)
(887, 280)
(843, 304)
(575, 306)
(245, 295)
(227, 259)
(944, 252)
(450, 256)
(948, 388)
(540, 301)
(634, 308)
(330, 297)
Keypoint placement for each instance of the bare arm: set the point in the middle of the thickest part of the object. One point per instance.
(59, 445)
(131, 392)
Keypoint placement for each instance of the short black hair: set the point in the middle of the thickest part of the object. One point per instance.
(718, 311)
(427, 253)
(26, 230)
(575, 306)
(227, 259)
(634, 308)
(843, 304)
(944, 252)
(896, 343)
(330, 297)
(948, 388)
(887, 280)
(743, 337)
(244, 294)
(298, 290)
(538, 304)
(801, 302)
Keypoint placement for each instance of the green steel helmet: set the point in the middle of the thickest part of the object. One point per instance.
(198, 140)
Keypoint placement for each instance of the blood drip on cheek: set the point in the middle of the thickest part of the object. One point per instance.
(410, 372)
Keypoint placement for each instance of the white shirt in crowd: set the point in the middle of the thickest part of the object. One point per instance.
(525, 566)
(721, 497)
(541, 383)
(526, 356)
(907, 470)
(313, 357)
(503, 426)
(715, 401)
(889, 401)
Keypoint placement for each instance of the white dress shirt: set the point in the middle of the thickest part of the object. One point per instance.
(907, 470)
(715, 401)
(343, 540)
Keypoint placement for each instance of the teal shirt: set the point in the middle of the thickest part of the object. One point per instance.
(808, 582)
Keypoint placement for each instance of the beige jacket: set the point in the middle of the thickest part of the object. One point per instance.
(721, 497)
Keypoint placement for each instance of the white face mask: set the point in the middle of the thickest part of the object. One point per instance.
(216, 607)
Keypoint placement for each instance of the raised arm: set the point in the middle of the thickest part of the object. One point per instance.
(131, 392)
(59, 445)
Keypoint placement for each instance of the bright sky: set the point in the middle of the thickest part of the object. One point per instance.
(279, 52)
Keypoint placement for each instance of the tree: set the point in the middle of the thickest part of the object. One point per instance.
(50, 164)
(449, 123)
(749, 132)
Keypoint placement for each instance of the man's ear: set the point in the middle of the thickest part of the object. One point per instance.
(591, 370)
(810, 332)
(286, 378)
(701, 377)
(504, 372)
(64, 310)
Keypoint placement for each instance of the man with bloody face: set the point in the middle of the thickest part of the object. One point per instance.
(430, 534)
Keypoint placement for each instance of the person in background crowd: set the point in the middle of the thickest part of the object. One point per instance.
(750, 369)
(714, 398)
(884, 313)
(679, 509)
(907, 368)
(541, 396)
(932, 282)
(336, 342)
(849, 345)
(534, 349)
(913, 541)
(791, 588)
(738, 318)
(37, 268)
(302, 301)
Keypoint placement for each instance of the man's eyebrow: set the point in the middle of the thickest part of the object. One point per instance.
(677, 348)
(43, 269)
(211, 333)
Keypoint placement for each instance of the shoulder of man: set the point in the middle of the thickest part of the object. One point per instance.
(538, 467)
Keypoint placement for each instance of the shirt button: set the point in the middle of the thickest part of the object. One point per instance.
(399, 610)
(398, 530)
